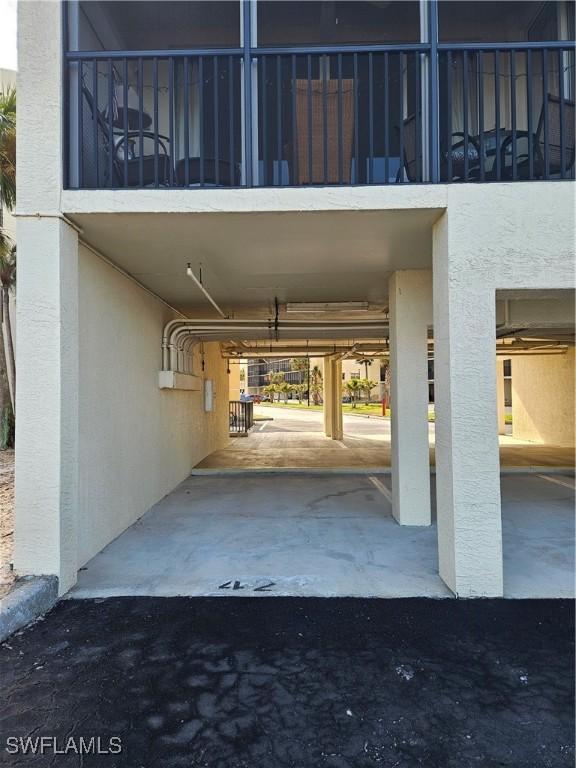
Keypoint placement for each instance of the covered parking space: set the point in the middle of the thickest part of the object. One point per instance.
(323, 535)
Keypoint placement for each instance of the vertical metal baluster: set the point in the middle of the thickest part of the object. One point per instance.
(497, 113)
(417, 117)
(215, 69)
(187, 122)
(140, 123)
(80, 99)
(309, 66)
(480, 69)
(512, 68)
(294, 125)
(529, 113)
(449, 116)
(386, 121)
(356, 119)
(340, 121)
(326, 63)
(545, 110)
(155, 103)
(465, 110)
(125, 116)
(248, 104)
(371, 117)
(231, 120)
(264, 60)
(171, 117)
(401, 108)
(278, 121)
(95, 120)
(111, 147)
(562, 125)
(201, 111)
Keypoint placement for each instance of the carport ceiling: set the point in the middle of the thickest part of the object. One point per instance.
(248, 259)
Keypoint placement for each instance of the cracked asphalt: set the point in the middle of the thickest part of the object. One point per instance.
(295, 682)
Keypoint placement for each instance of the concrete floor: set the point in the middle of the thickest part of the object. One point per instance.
(324, 535)
(295, 439)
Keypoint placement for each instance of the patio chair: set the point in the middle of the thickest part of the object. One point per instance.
(131, 165)
(456, 153)
(536, 144)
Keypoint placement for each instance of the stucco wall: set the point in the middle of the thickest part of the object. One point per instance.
(136, 442)
(543, 390)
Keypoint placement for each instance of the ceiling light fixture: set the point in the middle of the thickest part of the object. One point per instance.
(326, 306)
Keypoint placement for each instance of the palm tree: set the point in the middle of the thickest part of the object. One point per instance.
(367, 386)
(8, 148)
(7, 362)
(285, 388)
(300, 390)
(7, 265)
(353, 387)
(270, 390)
(366, 364)
(316, 384)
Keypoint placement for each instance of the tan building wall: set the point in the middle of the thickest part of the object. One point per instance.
(543, 390)
(235, 383)
(354, 369)
(136, 441)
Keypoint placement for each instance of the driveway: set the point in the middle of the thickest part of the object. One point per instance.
(293, 438)
(296, 683)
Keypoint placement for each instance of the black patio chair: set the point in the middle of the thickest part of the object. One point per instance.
(454, 156)
(130, 158)
(546, 143)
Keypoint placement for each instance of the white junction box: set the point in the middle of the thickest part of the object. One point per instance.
(209, 395)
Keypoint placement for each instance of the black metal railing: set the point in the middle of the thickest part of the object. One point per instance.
(241, 417)
(506, 114)
(385, 114)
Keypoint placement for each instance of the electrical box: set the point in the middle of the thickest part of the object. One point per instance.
(209, 395)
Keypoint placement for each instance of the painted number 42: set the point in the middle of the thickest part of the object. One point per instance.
(238, 585)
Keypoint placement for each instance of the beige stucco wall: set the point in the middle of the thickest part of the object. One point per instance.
(136, 442)
(234, 383)
(543, 391)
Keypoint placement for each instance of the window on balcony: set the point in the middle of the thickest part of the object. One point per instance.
(130, 25)
(309, 22)
(511, 21)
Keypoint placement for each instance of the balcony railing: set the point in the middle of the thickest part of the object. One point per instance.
(302, 117)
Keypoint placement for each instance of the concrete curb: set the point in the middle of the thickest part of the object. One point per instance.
(222, 471)
(28, 599)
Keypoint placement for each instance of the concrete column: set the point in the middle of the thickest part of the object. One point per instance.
(337, 421)
(328, 396)
(500, 396)
(333, 398)
(467, 460)
(47, 400)
(410, 296)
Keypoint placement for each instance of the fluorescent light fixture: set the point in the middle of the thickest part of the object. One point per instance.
(326, 306)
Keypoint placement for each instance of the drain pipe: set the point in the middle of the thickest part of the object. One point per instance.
(198, 282)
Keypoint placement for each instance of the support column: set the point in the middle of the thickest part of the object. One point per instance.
(328, 396)
(337, 421)
(410, 296)
(467, 460)
(500, 396)
(333, 426)
(47, 400)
